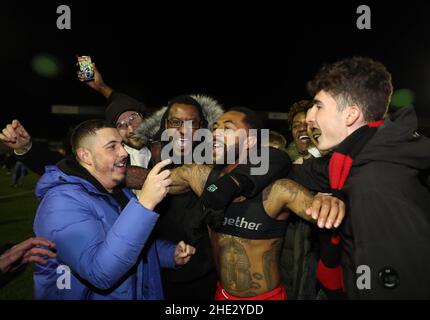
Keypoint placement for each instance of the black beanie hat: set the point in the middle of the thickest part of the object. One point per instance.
(120, 103)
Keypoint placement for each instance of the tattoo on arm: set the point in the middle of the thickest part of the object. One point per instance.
(292, 196)
(189, 176)
(199, 177)
(306, 204)
(180, 179)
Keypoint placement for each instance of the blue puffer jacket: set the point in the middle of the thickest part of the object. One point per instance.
(102, 247)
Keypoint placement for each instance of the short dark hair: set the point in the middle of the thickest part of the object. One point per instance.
(358, 80)
(86, 128)
(252, 119)
(186, 99)
(297, 107)
(277, 138)
(182, 99)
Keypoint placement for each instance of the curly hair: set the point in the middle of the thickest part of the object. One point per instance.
(297, 107)
(358, 80)
(277, 140)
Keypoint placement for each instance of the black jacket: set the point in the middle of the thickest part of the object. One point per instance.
(40, 156)
(387, 223)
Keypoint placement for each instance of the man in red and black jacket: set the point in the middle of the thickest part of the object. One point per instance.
(382, 249)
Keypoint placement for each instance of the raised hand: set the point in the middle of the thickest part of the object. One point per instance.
(156, 185)
(16, 137)
(98, 83)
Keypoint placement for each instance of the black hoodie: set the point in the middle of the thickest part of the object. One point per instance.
(71, 167)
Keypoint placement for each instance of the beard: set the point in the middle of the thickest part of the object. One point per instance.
(134, 142)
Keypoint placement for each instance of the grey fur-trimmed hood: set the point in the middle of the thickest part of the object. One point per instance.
(212, 109)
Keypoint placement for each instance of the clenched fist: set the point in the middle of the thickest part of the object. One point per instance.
(183, 253)
(16, 137)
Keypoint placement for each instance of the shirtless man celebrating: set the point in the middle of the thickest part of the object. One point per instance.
(247, 245)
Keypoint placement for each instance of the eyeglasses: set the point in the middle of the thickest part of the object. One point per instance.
(133, 120)
(176, 123)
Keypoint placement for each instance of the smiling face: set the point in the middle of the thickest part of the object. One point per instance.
(178, 114)
(300, 134)
(104, 156)
(127, 124)
(324, 115)
(227, 136)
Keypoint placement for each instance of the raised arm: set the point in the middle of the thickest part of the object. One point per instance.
(34, 155)
(98, 83)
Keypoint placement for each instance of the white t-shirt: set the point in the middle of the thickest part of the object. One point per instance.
(139, 157)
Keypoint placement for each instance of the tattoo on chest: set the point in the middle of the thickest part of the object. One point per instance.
(235, 266)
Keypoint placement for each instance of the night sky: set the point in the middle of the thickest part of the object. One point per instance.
(257, 55)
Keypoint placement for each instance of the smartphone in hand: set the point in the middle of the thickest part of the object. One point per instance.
(86, 68)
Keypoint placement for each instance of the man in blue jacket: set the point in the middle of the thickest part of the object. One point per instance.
(101, 230)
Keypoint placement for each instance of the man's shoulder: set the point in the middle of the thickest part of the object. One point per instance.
(69, 192)
(378, 176)
(61, 204)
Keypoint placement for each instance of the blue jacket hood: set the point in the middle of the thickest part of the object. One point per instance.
(54, 177)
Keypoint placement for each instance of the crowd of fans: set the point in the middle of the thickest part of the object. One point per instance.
(351, 189)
